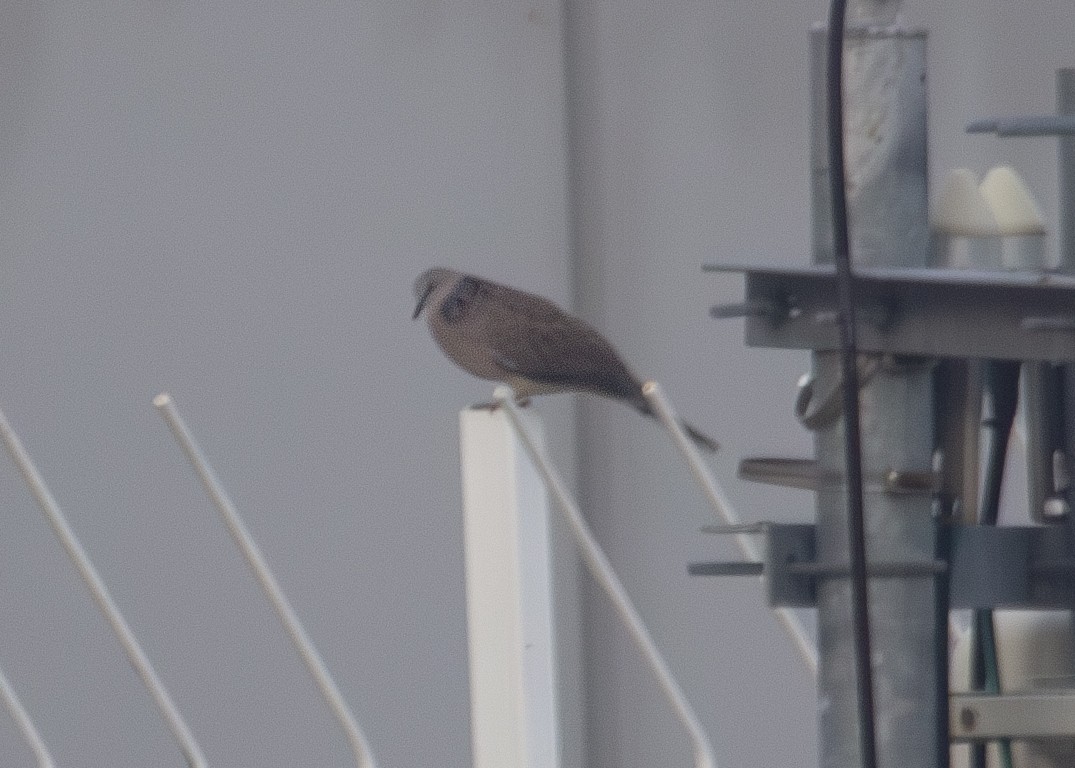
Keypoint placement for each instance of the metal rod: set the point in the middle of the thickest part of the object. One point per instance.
(788, 619)
(653, 393)
(603, 573)
(183, 735)
(355, 738)
(25, 724)
(1004, 127)
(875, 569)
(726, 569)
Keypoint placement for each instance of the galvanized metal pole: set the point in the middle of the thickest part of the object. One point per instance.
(885, 123)
(1046, 487)
(1065, 105)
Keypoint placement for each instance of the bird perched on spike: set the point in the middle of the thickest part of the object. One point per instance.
(503, 334)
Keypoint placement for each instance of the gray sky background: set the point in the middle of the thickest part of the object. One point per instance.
(230, 202)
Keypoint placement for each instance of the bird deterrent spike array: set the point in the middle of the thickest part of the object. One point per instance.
(723, 507)
(300, 639)
(188, 745)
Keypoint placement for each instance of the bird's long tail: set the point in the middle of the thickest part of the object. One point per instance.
(702, 440)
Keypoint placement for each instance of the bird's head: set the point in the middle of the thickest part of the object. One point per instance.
(426, 283)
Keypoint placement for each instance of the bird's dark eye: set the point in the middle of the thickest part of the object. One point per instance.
(456, 304)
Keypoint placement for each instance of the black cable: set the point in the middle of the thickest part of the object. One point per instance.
(1002, 384)
(942, 606)
(860, 615)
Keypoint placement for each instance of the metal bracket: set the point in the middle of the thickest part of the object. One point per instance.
(917, 312)
(1037, 715)
(807, 475)
(990, 567)
(1046, 125)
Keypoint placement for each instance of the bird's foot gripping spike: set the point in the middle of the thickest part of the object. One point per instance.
(493, 405)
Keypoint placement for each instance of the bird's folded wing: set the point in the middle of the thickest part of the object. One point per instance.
(560, 351)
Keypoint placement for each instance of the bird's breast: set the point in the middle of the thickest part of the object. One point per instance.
(464, 345)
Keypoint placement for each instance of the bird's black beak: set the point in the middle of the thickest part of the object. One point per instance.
(422, 302)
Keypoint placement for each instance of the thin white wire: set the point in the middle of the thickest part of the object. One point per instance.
(26, 725)
(719, 501)
(602, 571)
(329, 690)
(188, 745)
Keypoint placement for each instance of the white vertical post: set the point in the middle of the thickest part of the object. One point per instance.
(513, 690)
(601, 569)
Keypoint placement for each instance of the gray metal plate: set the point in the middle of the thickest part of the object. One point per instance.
(918, 312)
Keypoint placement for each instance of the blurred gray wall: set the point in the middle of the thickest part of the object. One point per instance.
(231, 201)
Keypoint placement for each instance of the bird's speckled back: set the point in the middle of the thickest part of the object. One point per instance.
(503, 334)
